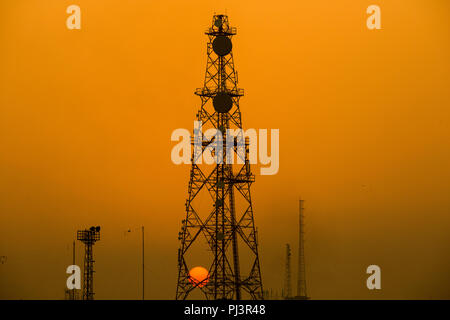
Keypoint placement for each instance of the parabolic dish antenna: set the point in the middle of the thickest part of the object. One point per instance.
(222, 102)
(222, 45)
(218, 22)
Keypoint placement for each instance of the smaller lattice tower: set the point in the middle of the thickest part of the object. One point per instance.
(287, 276)
(88, 237)
(301, 276)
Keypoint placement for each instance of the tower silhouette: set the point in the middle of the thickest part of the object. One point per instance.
(225, 225)
(301, 276)
(287, 275)
(88, 237)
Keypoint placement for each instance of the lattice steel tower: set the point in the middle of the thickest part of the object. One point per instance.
(301, 276)
(225, 225)
(88, 237)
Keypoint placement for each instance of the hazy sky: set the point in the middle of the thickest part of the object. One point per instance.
(364, 117)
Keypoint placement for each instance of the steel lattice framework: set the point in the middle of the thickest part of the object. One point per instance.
(223, 227)
(88, 237)
(301, 277)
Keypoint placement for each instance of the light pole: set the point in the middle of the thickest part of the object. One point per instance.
(143, 268)
(143, 262)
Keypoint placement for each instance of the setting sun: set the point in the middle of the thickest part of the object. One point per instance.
(198, 276)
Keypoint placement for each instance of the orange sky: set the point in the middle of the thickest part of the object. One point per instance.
(86, 118)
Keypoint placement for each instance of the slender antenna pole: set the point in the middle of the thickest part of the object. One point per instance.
(73, 263)
(301, 276)
(143, 272)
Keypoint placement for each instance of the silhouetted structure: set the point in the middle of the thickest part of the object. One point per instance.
(224, 226)
(287, 276)
(88, 237)
(301, 276)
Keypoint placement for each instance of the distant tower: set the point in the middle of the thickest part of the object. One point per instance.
(88, 237)
(301, 277)
(225, 224)
(287, 276)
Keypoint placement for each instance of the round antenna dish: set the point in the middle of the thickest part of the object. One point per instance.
(218, 22)
(222, 102)
(222, 45)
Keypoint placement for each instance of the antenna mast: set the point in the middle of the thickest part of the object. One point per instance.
(301, 277)
(227, 225)
(287, 279)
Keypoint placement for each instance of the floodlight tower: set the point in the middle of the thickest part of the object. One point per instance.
(224, 228)
(88, 237)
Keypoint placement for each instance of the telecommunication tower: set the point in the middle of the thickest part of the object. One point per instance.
(287, 276)
(224, 227)
(301, 276)
(88, 237)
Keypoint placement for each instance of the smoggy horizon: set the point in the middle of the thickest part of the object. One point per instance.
(86, 118)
